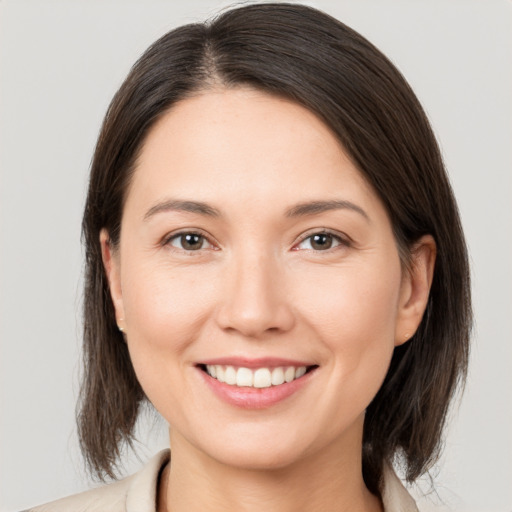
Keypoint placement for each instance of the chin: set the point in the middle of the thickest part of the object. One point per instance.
(258, 449)
(264, 458)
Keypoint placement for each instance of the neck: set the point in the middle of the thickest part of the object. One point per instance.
(328, 481)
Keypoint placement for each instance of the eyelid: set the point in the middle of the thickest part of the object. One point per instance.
(342, 238)
(165, 242)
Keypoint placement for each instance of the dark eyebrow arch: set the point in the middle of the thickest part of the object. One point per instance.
(316, 207)
(182, 206)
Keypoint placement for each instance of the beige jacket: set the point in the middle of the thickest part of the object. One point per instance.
(137, 493)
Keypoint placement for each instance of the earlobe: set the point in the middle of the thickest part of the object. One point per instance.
(111, 265)
(415, 289)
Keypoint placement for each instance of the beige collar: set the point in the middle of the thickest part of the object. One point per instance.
(395, 497)
(141, 496)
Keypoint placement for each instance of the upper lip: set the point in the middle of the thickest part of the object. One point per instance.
(260, 362)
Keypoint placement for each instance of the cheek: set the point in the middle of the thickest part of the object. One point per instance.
(166, 310)
(353, 312)
(164, 307)
(354, 318)
(351, 301)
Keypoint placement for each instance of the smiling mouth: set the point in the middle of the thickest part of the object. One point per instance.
(255, 378)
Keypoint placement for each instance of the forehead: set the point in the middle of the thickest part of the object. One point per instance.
(246, 145)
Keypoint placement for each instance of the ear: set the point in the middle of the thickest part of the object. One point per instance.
(111, 263)
(415, 288)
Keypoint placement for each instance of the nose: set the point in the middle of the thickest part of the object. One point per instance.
(255, 301)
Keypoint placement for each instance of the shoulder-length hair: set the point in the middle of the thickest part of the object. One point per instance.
(302, 54)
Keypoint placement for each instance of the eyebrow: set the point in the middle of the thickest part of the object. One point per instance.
(316, 207)
(177, 205)
(299, 210)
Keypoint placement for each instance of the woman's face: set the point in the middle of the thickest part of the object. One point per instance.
(253, 250)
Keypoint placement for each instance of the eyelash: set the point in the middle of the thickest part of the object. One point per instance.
(342, 240)
(176, 236)
(338, 238)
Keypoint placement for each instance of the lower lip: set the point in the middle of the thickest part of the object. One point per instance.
(255, 398)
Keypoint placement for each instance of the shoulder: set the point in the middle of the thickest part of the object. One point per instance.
(136, 493)
(109, 498)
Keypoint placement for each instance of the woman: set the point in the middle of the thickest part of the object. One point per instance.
(274, 259)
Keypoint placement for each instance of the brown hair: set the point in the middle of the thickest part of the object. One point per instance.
(302, 54)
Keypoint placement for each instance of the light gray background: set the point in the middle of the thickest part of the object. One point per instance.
(61, 62)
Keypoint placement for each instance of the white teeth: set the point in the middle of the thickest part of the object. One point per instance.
(259, 378)
(262, 378)
(230, 376)
(289, 374)
(220, 373)
(277, 376)
(300, 371)
(244, 377)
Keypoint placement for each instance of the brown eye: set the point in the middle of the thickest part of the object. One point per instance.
(189, 241)
(320, 242)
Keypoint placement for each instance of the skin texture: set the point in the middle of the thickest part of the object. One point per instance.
(257, 287)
